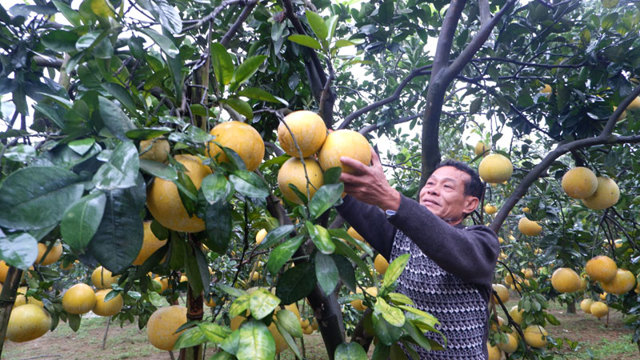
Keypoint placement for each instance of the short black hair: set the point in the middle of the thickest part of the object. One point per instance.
(475, 187)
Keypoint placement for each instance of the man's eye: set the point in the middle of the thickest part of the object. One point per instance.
(448, 187)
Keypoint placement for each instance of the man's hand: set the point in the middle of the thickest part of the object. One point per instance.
(369, 184)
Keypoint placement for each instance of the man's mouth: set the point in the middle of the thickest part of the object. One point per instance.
(429, 201)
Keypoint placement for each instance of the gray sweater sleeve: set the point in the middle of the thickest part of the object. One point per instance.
(469, 253)
(370, 222)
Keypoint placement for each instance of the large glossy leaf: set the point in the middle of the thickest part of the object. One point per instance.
(282, 253)
(256, 342)
(121, 170)
(114, 118)
(101, 8)
(289, 322)
(164, 42)
(345, 270)
(262, 303)
(239, 105)
(350, 351)
(296, 283)
(191, 337)
(391, 314)
(321, 238)
(259, 94)
(71, 15)
(36, 197)
(81, 220)
(215, 333)
(240, 305)
(218, 224)
(324, 199)
(216, 187)
(249, 184)
(381, 352)
(386, 333)
(232, 343)
(394, 271)
(417, 335)
(198, 270)
(317, 25)
(343, 249)
(289, 339)
(167, 15)
(122, 94)
(18, 250)
(119, 237)
(305, 40)
(245, 70)
(222, 64)
(326, 273)
(275, 235)
(158, 170)
(60, 40)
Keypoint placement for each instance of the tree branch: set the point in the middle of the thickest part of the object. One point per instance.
(369, 128)
(211, 16)
(546, 66)
(249, 6)
(485, 14)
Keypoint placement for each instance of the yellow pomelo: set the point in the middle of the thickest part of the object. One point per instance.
(495, 168)
(27, 322)
(622, 283)
(502, 291)
(163, 199)
(635, 104)
(281, 343)
(490, 209)
(164, 283)
(4, 269)
(528, 227)
(107, 308)
(496, 322)
(622, 116)
(309, 132)
(579, 182)
(293, 308)
(79, 299)
(599, 309)
(494, 352)
(293, 172)
(260, 236)
(150, 243)
(601, 268)
(565, 280)
(358, 304)
(236, 322)
(481, 148)
(528, 273)
(344, 143)
(585, 305)
(22, 299)
(162, 326)
(210, 302)
(354, 234)
(154, 150)
(381, 264)
(511, 345)
(546, 89)
(535, 336)
(526, 210)
(52, 256)
(102, 278)
(516, 314)
(241, 138)
(307, 330)
(606, 195)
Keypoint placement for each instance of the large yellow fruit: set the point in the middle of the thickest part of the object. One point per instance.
(281, 343)
(546, 90)
(502, 291)
(27, 322)
(585, 305)
(494, 352)
(621, 283)
(162, 326)
(601, 268)
(381, 264)
(565, 280)
(599, 309)
(79, 299)
(307, 128)
(53, 255)
(241, 138)
(481, 148)
(358, 304)
(579, 182)
(635, 104)
(260, 236)
(22, 299)
(102, 278)
(495, 168)
(165, 204)
(511, 345)
(354, 234)
(154, 150)
(344, 143)
(164, 283)
(4, 269)
(606, 195)
(528, 227)
(516, 315)
(107, 308)
(535, 336)
(236, 322)
(490, 209)
(150, 243)
(496, 322)
(293, 172)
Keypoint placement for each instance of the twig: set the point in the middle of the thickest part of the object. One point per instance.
(238, 24)
(211, 16)
(106, 332)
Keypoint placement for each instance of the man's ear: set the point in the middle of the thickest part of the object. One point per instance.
(470, 204)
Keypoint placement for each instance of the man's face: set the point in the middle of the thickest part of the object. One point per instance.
(443, 194)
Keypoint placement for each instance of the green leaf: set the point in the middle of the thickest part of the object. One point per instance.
(240, 106)
(332, 23)
(343, 43)
(326, 273)
(289, 322)
(240, 305)
(350, 351)
(317, 25)
(282, 253)
(429, 321)
(74, 321)
(394, 271)
(274, 236)
(122, 94)
(324, 199)
(305, 40)
(114, 118)
(191, 337)
(215, 333)
(345, 270)
(296, 283)
(197, 278)
(71, 15)
(256, 342)
(36, 197)
(216, 188)
(391, 314)
(147, 133)
(400, 299)
(81, 146)
(60, 40)
(381, 352)
(246, 70)
(164, 42)
(222, 64)
(121, 170)
(81, 220)
(289, 339)
(218, 224)
(321, 238)
(343, 249)
(222, 355)
(249, 184)
(417, 335)
(231, 291)
(18, 250)
(386, 333)
(259, 94)
(262, 303)
(232, 343)
(101, 8)
(158, 170)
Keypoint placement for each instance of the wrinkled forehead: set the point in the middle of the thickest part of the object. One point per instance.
(450, 173)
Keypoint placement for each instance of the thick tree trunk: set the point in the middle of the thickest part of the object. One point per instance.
(571, 307)
(195, 311)
(7, 298)
(330, 323)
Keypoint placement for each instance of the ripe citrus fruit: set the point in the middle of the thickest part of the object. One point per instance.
(260, 236)
(307, 128)
(529, 227)
(481, 148)
(585, 305)
(241, 138)
(164, 283)
(494, 352)
(599, 309)
(490, 209)
(107, 308)
(354, 234)
(601, 268)
(344, 143)
(22, 299)
(511, 345)
(606, 195)
(150, 243)
(281, 343)
(579, 182)
(154, 150)
(53, 255)
(102, 278)
(293, 172)
(357, 303)
(162, 326)
(27, 322)
(535, 336)
(635, 104)
(495, 168)
(565, 280)
(502, 291)
(79, 299)
(621, 283)
(163, 199)
(381, 264)
(546, 89)
(4, 269)
(516, 314)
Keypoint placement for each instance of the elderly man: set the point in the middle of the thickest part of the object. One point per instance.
(451, 266)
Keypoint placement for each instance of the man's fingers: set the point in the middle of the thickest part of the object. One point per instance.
(375, 159)
(356, 166)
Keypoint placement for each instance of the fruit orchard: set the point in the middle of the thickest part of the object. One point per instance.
(153, 149)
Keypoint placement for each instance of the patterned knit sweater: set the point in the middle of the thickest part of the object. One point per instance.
(448, 275)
